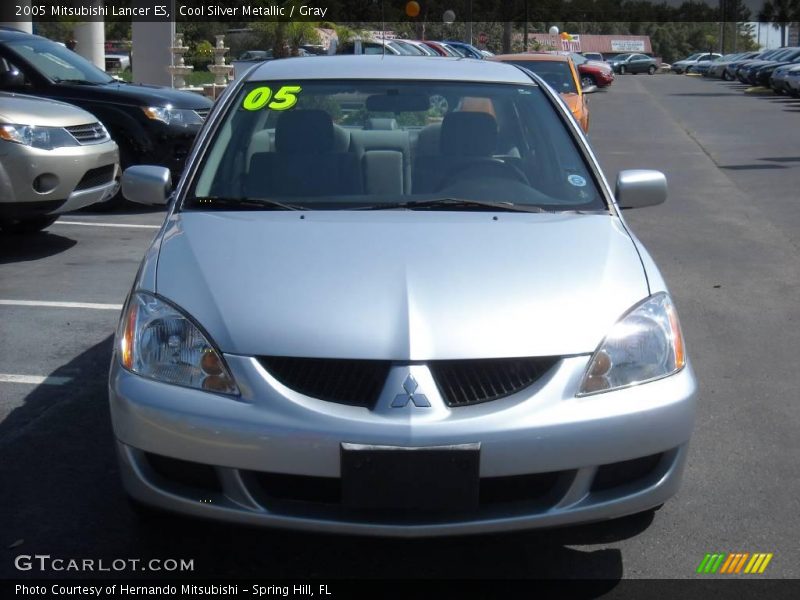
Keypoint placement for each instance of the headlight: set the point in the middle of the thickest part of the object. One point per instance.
(172, 116)
(158, 341)
(44, 138)
(644, 345)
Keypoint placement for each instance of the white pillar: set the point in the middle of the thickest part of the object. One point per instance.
(9, 18)
(150, 52)
(91, 39)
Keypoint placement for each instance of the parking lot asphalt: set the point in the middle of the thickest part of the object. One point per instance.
(727, 242)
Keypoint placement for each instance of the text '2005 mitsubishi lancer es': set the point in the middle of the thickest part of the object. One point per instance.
(396, 296)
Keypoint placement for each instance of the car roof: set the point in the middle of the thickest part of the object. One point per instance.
(8, 34)
(390, 67)
(533, 57)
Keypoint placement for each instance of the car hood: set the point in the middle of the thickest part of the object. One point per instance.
(30, 110)
(133, 94)
(400, 285)
(597, 64)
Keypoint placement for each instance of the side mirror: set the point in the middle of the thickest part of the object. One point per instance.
(12, 79)
(638, 188)
(147, 184)
(589, 89)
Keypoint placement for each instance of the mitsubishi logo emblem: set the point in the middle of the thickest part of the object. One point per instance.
(409, 387)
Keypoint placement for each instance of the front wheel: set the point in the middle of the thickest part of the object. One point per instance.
(27, 226)
(587, 80)
(651, 70)
(727, 76)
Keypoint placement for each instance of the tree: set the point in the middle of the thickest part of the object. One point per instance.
(779, 13)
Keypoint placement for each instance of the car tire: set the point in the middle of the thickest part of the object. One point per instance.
(27, 226)
(727, 76)
(651, 70)
(587, 80)
(622, 70)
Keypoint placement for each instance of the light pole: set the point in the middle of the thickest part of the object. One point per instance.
(469, 22)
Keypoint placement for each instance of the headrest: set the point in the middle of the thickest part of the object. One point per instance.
(468, 134)
(381, 123)
(304, 132)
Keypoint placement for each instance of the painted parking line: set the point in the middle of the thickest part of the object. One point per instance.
(104, 224)
(33, 379)
(43, 303)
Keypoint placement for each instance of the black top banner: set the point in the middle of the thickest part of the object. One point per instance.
(359, 11)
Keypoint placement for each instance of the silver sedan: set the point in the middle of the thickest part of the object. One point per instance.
(396, 296)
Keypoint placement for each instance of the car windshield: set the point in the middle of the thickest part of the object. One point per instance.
(324, 144)
(57, 63)
(578, 59)
(557, 74)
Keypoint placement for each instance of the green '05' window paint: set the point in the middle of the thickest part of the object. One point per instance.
(284, 99)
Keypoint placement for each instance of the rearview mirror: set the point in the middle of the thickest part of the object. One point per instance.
(147, 184)
(638, 188)
(589, 89)
(396, 103)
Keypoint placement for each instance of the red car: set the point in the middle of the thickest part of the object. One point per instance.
(592, 72)
(440, 48)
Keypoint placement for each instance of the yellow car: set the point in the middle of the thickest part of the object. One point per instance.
(559, 72)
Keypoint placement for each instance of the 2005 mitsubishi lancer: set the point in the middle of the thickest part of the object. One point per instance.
(396, 296)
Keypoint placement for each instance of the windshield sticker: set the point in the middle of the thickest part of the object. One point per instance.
(284, 99)
(576, 180)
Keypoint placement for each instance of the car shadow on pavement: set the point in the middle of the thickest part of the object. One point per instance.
(62, 496)
(125, 208)
(21, 248)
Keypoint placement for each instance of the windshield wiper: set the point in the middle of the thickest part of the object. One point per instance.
(79, 81)
(453, 203)
(241, 203)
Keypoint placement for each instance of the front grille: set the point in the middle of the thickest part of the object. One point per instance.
(360, 382)
(202, 112)
(95, 177)
(352, 382)
(466, 382)
(92, 133)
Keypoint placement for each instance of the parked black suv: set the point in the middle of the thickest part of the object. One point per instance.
(151, 124)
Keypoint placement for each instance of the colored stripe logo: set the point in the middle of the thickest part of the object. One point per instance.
(734, 563)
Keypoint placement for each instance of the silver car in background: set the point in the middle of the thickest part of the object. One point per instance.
(54, 158)
(396, 296)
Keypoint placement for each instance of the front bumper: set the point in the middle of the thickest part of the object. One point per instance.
(35, 182)
(542, 435)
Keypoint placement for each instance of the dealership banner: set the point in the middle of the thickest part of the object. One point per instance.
(421, 11)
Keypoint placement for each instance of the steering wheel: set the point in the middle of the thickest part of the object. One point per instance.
(483, 167)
